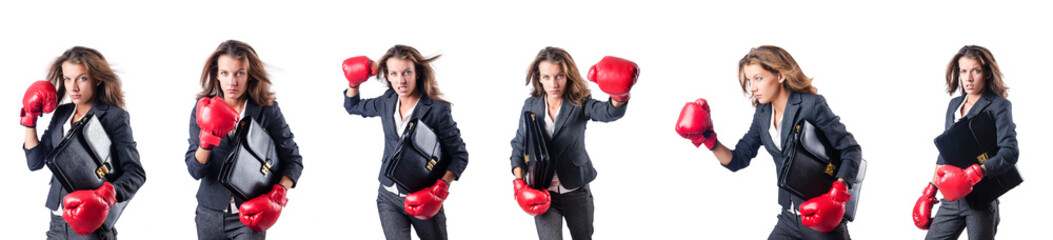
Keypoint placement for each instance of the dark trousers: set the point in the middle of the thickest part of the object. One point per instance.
(576, 207)
(216, 224)
(396, 222)
(954, 217)
(790, 227)
(60, 230)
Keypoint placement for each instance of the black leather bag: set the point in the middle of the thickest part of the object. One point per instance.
(811, 167)
(418, 159)
(973, 141)
(540, 165)
(252, 168)
(82, 161)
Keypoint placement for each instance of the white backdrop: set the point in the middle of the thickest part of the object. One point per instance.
(880, 65)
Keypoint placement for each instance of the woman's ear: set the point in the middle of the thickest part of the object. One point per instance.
(782, 78)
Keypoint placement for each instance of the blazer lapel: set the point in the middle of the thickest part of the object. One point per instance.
(561, 119)
(789, 116)
(422, 107)
(765, 117)
(980, 104)
(252, 110)
(389, 111)
(56, 138)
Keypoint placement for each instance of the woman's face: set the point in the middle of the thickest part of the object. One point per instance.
(402, 76)
(763, 84)
(971, 75)
(552, 78)
(79, 86)
(233, 75)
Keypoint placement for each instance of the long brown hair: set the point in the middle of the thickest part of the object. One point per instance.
(426, 83)
(259, 84)
(576, 92)
(109, 88)
(992, 74)
(776, 60)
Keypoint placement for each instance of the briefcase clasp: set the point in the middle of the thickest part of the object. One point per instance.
(431, 164)
(982, 158)
(526, 158)
(102, 171)
(830, 169)
(265, 168)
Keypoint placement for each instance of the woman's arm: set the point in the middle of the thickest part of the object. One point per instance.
(840, 139)
(132, 173)
(518, 144)
(288, 152)
(1007, 146)
(604, 111)
(744, 152)
(355, 105)
(196, 157)
(451, 142)
(36, 150)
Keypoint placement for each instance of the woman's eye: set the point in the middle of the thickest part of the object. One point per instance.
(241, 73)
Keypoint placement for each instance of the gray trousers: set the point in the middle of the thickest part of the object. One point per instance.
(216, 224)
(954, 217)
(790, 227)
(396, 222)
(577, 207)
(60, 230)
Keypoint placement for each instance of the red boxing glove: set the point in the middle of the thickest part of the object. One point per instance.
(40, 98)
(824, 213)
(955, 182)
(532, 201)
(425, 203)
(923, 207)
(358, 69)
(86, 210)
(615, 76)
(262, 212)
(696, 125)
(216, 118)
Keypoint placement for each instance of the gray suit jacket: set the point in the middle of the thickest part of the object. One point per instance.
(115, 121)
(433, 113)
(800, 106)
(1002, 111)
(573, 164)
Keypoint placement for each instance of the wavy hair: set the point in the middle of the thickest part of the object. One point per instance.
(576, 92)
(778, 61)
(992, 73)
(109, 88)
(259, 84)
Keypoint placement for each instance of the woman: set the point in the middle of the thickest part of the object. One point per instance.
(236, 86)
(560, 95)
(412, 93)
(974, 73)
(85, 77)
(782, 96)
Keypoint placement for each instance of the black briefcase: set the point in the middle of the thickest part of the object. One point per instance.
(811, 167)
(540, 166)
(252, 168)
(973, 141)
(418, 159)
(82, 161)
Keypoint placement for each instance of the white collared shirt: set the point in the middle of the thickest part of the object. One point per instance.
(958, 111)
(774, 131)
(550, 128)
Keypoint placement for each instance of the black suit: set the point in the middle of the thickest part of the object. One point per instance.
(211, 193)
(116, 123)
(573, 164)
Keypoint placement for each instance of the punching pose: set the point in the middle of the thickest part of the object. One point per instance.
(412, 93)
(561, 97)
(85, 77)
(782, 95)
(235, 86)
(973, 73)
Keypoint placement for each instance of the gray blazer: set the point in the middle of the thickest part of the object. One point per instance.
(210, 192)
(115, 121)
(800, 106)
(433, 113)
(1002, 111)
(573, 164)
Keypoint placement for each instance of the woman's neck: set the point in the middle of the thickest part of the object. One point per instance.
(84, 108)
(972, 98)
(779, 103)
(409, 99)
(238, 104)
(553, 100)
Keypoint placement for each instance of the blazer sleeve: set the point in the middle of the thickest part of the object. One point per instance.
(603, 111)
(36, 155)
(746, 148)
(288, 151)
(840, 139)
(1005, 129)
(132, 173)
(452, 142)
(365, 108)
(197, 170)
(518, 140)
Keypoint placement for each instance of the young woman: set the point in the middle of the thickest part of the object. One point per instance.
(560, 95)
(974, 73)
(85, 77)
(412, 93)
(235, 86)
(782, 96)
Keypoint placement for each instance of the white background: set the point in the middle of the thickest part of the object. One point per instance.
(881, 67)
